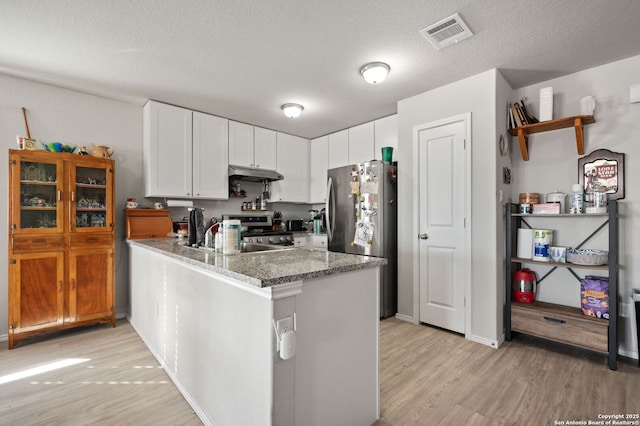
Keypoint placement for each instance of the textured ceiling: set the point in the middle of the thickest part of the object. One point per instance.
(242, 59)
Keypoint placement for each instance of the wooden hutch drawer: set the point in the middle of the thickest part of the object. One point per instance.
(560, 323)
(40, 243)
(90, 240)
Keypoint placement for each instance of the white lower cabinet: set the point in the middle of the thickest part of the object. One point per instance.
(185, 153)
(293, 164)
(318, 241)
(300, 240)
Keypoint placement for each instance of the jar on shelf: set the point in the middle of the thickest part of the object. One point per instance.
(527, 199)
(596, 198)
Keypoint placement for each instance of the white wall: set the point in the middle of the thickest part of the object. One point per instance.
(477, 95)
(72, 117)
(553, 165)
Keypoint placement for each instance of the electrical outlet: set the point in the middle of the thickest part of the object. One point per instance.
(624, 310)
(284, 324)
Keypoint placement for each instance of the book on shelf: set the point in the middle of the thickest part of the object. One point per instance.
(523, 118)
(531, 119)
(516, 117)
(511, 124)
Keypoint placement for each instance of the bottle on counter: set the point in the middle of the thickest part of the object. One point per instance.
(218, 239)
(577, 199)
(231, 236)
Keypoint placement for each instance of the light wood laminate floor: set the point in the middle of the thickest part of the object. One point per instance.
(434, 377)
(428, 377)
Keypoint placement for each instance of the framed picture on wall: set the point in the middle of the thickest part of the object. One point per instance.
(605, 167)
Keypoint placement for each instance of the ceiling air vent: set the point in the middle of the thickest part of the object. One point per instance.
(448, 31)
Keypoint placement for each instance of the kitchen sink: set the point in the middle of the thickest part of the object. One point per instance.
(254, 247)
(248, 247)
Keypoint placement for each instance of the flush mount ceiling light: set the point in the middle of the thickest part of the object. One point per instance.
(375, 72)
(292, 110)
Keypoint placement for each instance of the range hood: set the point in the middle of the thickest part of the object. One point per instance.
(253, 175)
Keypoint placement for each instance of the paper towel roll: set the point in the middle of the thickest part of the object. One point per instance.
(179, 203)
(525, 243)
(542, 240)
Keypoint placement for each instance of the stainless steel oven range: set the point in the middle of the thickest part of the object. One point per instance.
(258, 228)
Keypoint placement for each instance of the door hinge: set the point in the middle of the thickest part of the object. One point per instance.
(12, 161)
(111, 309)
(12, 326)
(13, 226)
(464, 143)
(12, 261)
(111, 254)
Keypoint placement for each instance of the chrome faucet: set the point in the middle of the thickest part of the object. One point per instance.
(208, 237)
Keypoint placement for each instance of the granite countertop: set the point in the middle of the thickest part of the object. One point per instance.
(265, 268)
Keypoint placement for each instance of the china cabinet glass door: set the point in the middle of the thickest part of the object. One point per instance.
(91, 187)
(36, 206)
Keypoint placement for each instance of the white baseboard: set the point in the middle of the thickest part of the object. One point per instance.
(4, 338)
(407, 318)
(488, 342)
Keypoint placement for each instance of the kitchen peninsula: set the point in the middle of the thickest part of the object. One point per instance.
(209, 319)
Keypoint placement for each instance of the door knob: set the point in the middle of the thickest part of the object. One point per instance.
(423, 236)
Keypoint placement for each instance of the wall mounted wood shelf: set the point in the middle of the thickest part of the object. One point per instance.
(576, 122)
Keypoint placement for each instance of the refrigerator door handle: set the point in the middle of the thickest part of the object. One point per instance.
(330, 209)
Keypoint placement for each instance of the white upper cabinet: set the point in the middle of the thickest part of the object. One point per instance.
(241, 137)
(184, 153)
(386, 134)
(361, 143)
(338, 149)
(210, 156)
(319, 163)
(167, 150)
(251, 146)
(293, 164)
(265, 149)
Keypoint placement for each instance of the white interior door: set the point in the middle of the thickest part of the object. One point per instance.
(441, 175)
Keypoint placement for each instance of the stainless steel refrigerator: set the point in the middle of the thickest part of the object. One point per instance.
(361, 218)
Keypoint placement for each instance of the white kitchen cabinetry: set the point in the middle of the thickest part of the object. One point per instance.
(184, 153)
(264, 149)
(167, 150)
(300, 239)
(338, 149)
(210, 156)
(293, 164)
(318, 241)
(386, 134)
(361, 143)
(241, 138)
(251, 146)
(319, 163)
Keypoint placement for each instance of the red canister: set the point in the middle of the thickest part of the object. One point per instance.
(524, 286)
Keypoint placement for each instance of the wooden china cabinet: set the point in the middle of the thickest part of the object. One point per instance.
(61, 242)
